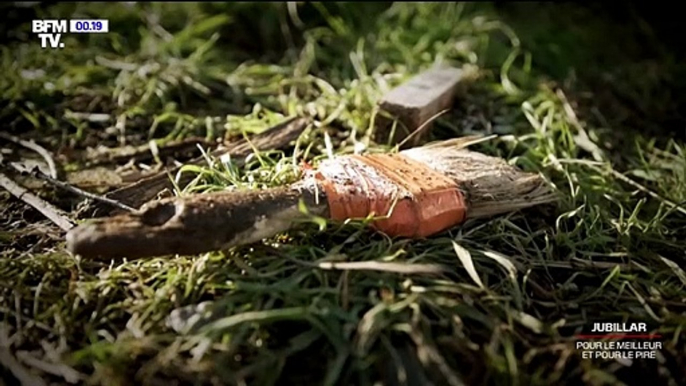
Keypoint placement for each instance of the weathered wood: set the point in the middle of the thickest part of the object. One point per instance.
(32, 145)
(415, 102)
(146, 189)
(36, 173)
(56, 215)
(142, 152)
(194, 224)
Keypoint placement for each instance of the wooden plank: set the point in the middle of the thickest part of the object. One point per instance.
(415, 102)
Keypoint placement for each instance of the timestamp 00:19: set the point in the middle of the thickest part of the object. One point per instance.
(88, 26)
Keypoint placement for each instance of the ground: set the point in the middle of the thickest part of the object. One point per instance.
(589, 96)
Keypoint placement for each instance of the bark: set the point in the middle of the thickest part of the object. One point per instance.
(195, 224)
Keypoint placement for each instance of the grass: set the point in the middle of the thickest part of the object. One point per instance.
(492, 302)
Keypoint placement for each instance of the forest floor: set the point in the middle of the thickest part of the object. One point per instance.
(592, 104)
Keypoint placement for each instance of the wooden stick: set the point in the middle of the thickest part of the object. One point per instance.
(70, 188)
(144, 190)
(194, 224)
(54, 214)
(35, 147)
(142, 152)
(206, 222)
(416, 102)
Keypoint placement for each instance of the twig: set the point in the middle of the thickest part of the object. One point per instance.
(68, 187)
(54, 214)
(35, 147)
(146, 189)
(143, 152)
(22, 374)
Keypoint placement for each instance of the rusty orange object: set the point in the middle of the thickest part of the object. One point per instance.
(415, 200)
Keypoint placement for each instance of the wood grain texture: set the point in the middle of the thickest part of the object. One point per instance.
(415, 102)
(194, 224)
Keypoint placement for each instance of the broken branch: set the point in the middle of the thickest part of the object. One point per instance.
(142, 152)
(70, 188)
(146, 189)
(35, 147)
(56, 215)
(193, 224)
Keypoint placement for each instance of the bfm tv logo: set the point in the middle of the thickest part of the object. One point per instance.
(50, 32)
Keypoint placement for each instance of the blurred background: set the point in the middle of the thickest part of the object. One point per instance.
(630, 56)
